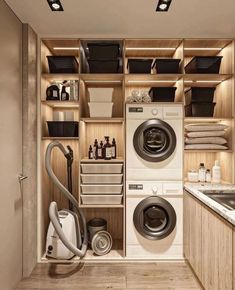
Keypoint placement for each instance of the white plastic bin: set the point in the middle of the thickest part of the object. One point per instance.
(101, 199)
(101, 95)
(101, 178)
(101, 189)
(101, 109)
(102, 168)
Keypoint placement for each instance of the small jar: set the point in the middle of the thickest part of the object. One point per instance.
(193, 176)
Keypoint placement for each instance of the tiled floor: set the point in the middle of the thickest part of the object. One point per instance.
(163, 275)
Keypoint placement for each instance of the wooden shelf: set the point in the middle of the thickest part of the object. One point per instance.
(102, 120)
(206, 79)
(117, 160)
(101, 206)
(205, 119)
(152, 79)
(61, 77)
(207, 151)
(60, 138)
(61, 104)
(101, 78)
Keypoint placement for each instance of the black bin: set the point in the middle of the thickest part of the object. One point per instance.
(103, 66)
(200, 109)
(62, 128)
(162, 94)
(200, 94)
(167, 65)
(204, 65)
(139, 65)
(104, 50)
(62, 64)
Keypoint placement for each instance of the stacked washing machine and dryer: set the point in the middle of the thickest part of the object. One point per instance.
(154, 177)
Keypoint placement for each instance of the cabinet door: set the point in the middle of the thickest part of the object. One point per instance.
(216, 252)
(193, 233)
(186, 225)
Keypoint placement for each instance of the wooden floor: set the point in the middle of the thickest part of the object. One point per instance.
(164, 276)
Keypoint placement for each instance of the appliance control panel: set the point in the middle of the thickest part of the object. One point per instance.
(170, 188)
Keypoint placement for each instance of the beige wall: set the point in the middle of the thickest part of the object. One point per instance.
(10, 148)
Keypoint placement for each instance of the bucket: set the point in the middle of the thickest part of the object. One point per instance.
(95, 225)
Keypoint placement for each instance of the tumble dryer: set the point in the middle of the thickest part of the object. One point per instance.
(154, 141)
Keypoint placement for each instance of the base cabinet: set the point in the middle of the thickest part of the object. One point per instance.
(208, 245)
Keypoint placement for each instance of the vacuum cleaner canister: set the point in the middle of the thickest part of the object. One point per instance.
(54, 246)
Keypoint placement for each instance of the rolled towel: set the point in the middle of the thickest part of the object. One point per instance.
(146, 99)
(206, 140)
(205, 134)
(130, 99)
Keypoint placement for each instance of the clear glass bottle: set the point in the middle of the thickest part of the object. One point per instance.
(202, 173)
(208, 176)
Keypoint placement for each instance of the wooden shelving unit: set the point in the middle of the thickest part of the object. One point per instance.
(123, 83)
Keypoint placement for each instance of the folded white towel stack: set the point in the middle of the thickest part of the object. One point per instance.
(205, 136)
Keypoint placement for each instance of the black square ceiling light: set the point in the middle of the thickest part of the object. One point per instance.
(55, 5)
(163, 5)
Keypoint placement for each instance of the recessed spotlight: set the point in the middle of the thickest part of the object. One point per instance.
(55, 5)
(163, 5)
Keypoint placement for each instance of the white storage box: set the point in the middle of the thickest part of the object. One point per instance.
(101, 199)
(101, 189)
(101, 178)
(101, 109)
(101, 95)
(102, 168)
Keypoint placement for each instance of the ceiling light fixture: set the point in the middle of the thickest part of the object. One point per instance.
(66, 48)
(203, 48)
(55, 5)
(150, 48)
(163, 5)
(150, 81)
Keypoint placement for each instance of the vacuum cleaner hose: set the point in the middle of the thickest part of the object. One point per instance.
(53, 211)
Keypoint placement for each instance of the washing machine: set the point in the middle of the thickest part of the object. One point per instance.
(154, 222)
(154, 141)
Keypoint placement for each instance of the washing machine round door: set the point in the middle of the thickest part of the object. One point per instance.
(154, 140)
(154, 218)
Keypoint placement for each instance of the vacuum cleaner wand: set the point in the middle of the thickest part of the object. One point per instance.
(53, 211)
(69, 157)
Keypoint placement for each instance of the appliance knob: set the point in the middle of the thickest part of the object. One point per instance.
(154, 112)
(154, 189)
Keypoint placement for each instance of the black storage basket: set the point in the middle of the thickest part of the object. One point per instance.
(62, 64)
(103, 66)
(103, 50)
(62, 128)
(200, 110)
(167, 65)
(162, 94)
(139, 65)
(204, 65)
(200, 94)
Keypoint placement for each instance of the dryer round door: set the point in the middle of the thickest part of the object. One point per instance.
(154, 140)
(154, 218)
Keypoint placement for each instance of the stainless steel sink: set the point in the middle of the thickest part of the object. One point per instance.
(224, 197)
